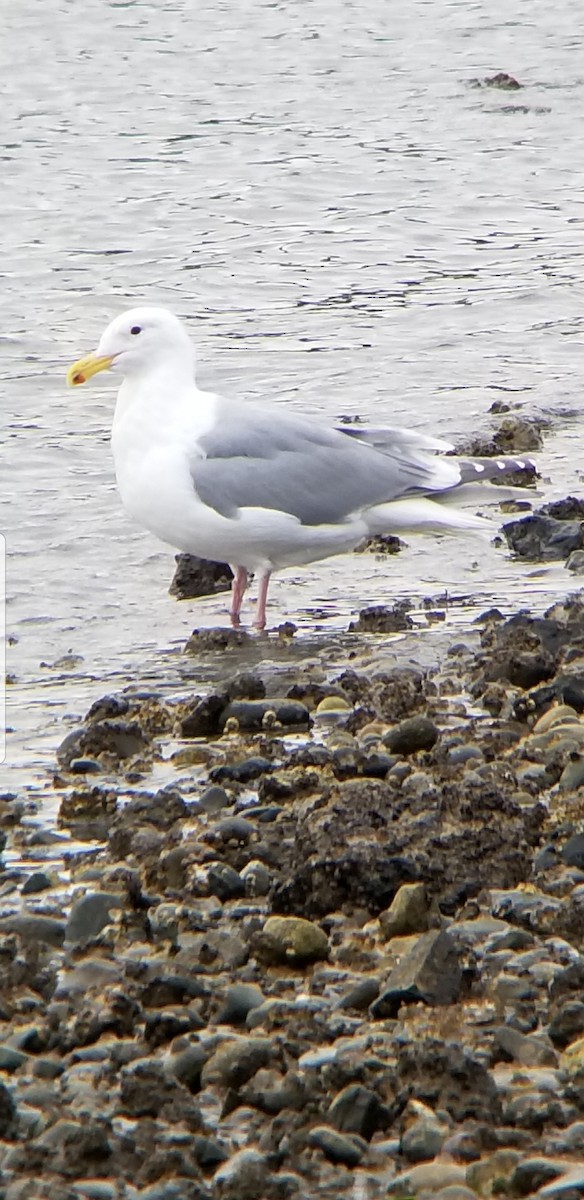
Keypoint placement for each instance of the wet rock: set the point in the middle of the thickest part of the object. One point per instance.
(429, 972)
(119, 739)
(164, 989)
(239, 1001)
(379, 619)
(506, 83)
(542, 538)
(235, 1063)
(11, 1059)
(411, 735)
(408, 912)
(195, 577)
(252, 714)
(201, 719)
(213, 641)
(382, 543)
(242, 772)
(357, 1109)
(337, 1147)
(89, 915)
(291, 940)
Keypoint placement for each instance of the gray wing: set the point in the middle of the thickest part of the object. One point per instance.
(267, 459)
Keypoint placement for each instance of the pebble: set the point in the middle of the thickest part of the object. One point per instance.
(337, 1147)
(292, 940)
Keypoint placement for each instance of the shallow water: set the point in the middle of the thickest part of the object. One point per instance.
(348, 223)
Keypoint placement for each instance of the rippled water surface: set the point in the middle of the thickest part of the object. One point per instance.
(348, 222)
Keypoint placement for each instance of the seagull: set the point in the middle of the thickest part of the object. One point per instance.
(257, 487)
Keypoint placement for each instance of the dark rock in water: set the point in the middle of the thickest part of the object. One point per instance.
(212, 641)
(202, 720)
(430, 972)
(338, 1149)
(515, 435)
(241, 772)
(199, 577)
(524, 650)
(163, 809)
(252, 714)
(539, 538)
(503, 81)
(382, 543)
(122, 739)
(359, 1110)
(107, 708)
(411, 735)
(379, 619)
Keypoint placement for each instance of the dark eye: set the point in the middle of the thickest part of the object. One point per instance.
(136, 329)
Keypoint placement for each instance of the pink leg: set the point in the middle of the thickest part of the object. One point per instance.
(260, 617)
(237, 593)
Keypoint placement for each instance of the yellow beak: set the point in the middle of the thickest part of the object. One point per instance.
(84, 368)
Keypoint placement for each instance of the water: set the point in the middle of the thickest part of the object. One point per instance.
(347, 223)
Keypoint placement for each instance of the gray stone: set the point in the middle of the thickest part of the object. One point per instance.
(359, 1110)
(429, 972)
(214, 798)
(407, 913)
(39, 881)
(361, 995)
(8, 1112)
(31, 928)
(187, 1064)
(239, 1001)
(224, 882)
(234, 1063)
(338, 1147)
(257, 878)
(423, 1139)
(10, 1058)
(89, 915)
(242, 1177)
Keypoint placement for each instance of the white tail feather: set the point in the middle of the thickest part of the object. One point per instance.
(420, 515)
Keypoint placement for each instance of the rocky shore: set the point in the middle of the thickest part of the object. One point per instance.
(338, 953)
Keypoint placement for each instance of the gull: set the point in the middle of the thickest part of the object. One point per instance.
(260, 488)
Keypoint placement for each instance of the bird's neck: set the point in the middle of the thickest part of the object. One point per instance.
(163, 388)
